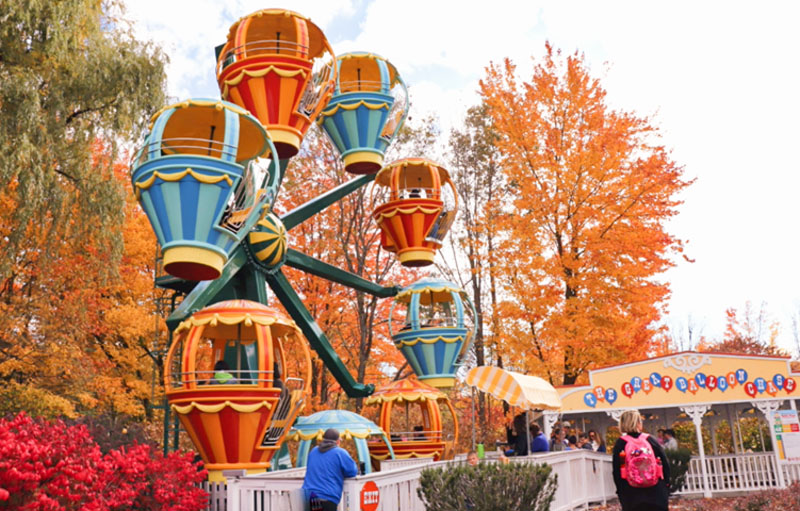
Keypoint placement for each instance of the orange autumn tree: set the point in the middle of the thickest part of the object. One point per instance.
(751, 332)
(584, 229)
(74, 337)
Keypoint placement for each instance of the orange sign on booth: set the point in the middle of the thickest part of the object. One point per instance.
(370, 496)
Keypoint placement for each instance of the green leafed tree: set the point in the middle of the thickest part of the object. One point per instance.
(71, 73)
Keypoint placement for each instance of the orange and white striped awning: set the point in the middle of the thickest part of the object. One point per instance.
(527, 392)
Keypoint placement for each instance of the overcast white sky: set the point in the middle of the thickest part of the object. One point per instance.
(721, 79)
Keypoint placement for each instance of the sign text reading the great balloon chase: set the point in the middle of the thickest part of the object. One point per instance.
(694, 384)
(679, 379)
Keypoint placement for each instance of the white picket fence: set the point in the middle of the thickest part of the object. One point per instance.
(738, 472)
(217, 496)
(584, 477)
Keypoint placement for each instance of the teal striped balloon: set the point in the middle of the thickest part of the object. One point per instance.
(368, 107)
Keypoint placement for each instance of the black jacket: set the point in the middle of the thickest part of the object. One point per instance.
(655, 498)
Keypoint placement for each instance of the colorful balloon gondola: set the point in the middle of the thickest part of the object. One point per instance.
(350, 426)
(425, 439)
(238, 371)
(418, 210)
(238, 375)
(278, 65)
(436, 330)
(193, 181)
(368, 107)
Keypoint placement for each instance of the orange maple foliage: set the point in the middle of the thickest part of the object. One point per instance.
(751, 332)
(590, 191)
(73, 336)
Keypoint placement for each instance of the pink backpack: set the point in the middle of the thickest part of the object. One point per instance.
(640, 466)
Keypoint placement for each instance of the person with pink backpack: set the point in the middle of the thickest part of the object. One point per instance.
(641, 469)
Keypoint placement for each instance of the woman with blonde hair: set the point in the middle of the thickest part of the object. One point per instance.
(640, 467)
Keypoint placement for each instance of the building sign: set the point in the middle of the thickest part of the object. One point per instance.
(682, 379)
(787, 435)
(370, 496)
(698, 383)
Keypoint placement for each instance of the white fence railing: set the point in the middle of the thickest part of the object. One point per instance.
(388, 464)
(583, 477)
(217, 493)
(738, 472)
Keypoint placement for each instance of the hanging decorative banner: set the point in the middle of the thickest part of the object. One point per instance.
(700, 379)
(655, 379)
(684, 379)
(627, 389)
(741, 376)
(699, 384)
(771, 389)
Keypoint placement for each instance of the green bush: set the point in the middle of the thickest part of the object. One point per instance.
(488, 487)
(678, 467)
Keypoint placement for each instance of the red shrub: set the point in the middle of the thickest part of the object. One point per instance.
(48, 466)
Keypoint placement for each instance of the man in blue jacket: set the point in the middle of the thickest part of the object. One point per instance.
(328, 465)
(540, 443)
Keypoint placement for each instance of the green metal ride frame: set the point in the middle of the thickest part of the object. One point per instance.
(242, 279)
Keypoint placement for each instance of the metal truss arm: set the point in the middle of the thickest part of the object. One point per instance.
(314, 206)
(316, 337)
(205, 291)
(314, 266)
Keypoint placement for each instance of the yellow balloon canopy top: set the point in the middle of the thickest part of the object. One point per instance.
(231, 313)
(361, 72)
(408, 389)
(195, 125)
(413, 173)
(263, 25)
(431, 293)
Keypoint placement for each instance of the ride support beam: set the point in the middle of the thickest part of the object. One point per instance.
(205, 291)
(272, 181)
(314, 206)
(314, 266)
(316, 337)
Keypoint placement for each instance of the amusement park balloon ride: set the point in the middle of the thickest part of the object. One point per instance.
(238, 371)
